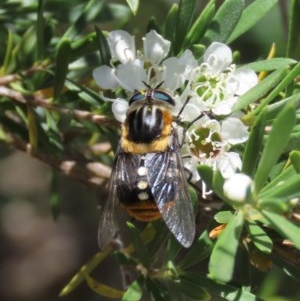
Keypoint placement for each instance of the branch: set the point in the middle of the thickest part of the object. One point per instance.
(37, 101)
(92, 174)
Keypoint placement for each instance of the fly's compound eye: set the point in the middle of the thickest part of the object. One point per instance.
(136, 97)
(163, 96)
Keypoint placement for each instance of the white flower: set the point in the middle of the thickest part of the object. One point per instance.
(130, 72)
(217, 58)
(122, 46)
(156, 48)
(209, 141)
(177, 70)
(216, 83)
(238, 187)
(234, 131)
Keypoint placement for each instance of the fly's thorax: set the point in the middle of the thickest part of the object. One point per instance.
(147, 128)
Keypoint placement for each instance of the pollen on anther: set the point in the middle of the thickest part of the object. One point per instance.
(143, 196)
(142, 171)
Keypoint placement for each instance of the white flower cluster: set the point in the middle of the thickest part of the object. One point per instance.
(212, 87)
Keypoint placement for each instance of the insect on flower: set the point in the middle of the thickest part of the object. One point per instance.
(148, 177)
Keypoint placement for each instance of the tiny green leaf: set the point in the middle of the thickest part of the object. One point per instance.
(226, 292)
(61, 66)
(254, 145)
(103, 47)
(284, 190)
(260, 238)
(222, 260)
(294, 28)
(134, 5)
(224, 21)
(223, 217)
(260, 89)
(199, 251)
(269, 64)
(284, 227)
(185, 16)
(250, 16)
(193, 290)
(295, 160)
(134, 292)
(170, 23)
(200, 25)
(275, 144)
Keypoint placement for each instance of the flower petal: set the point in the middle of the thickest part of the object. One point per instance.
(234, 131)
(119, 109)
(131, 75)
(104, 77)
(156, 48)
(218, 56)
(247, 79)
(229, 163)
(122, 46)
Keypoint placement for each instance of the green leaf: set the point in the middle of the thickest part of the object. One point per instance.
(139, 245)
(88, 14)
(283, 176)
(103, 47)
(200, 25)
(199, 251)
(134, 291)
(273, 204)
(83, 46)
(134, 5)
(155, 290)
(206, 174)
(224, 22)
(260, 238)
(260, 89)
(284, 227)
(40, 29)
(254, 145)
(269, 64)
(8, 59)
(61, 67)
(284, 190)
(283, 84)
(170, 23)
(103, 289)
(250, 16)
(184, 19)
(84, 270)
(224, 291)
(275, 108)
(193, 290)
(275, 144)
(294, 28)
(295, 160)
(223, 217)
(222, 260)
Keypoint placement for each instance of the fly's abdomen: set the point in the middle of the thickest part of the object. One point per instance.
(138, 199)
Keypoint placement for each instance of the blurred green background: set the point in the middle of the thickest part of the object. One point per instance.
(39, 255)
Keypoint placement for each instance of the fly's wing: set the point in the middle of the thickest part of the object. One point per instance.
(108, 224)
(120, 177)
(166, 176)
